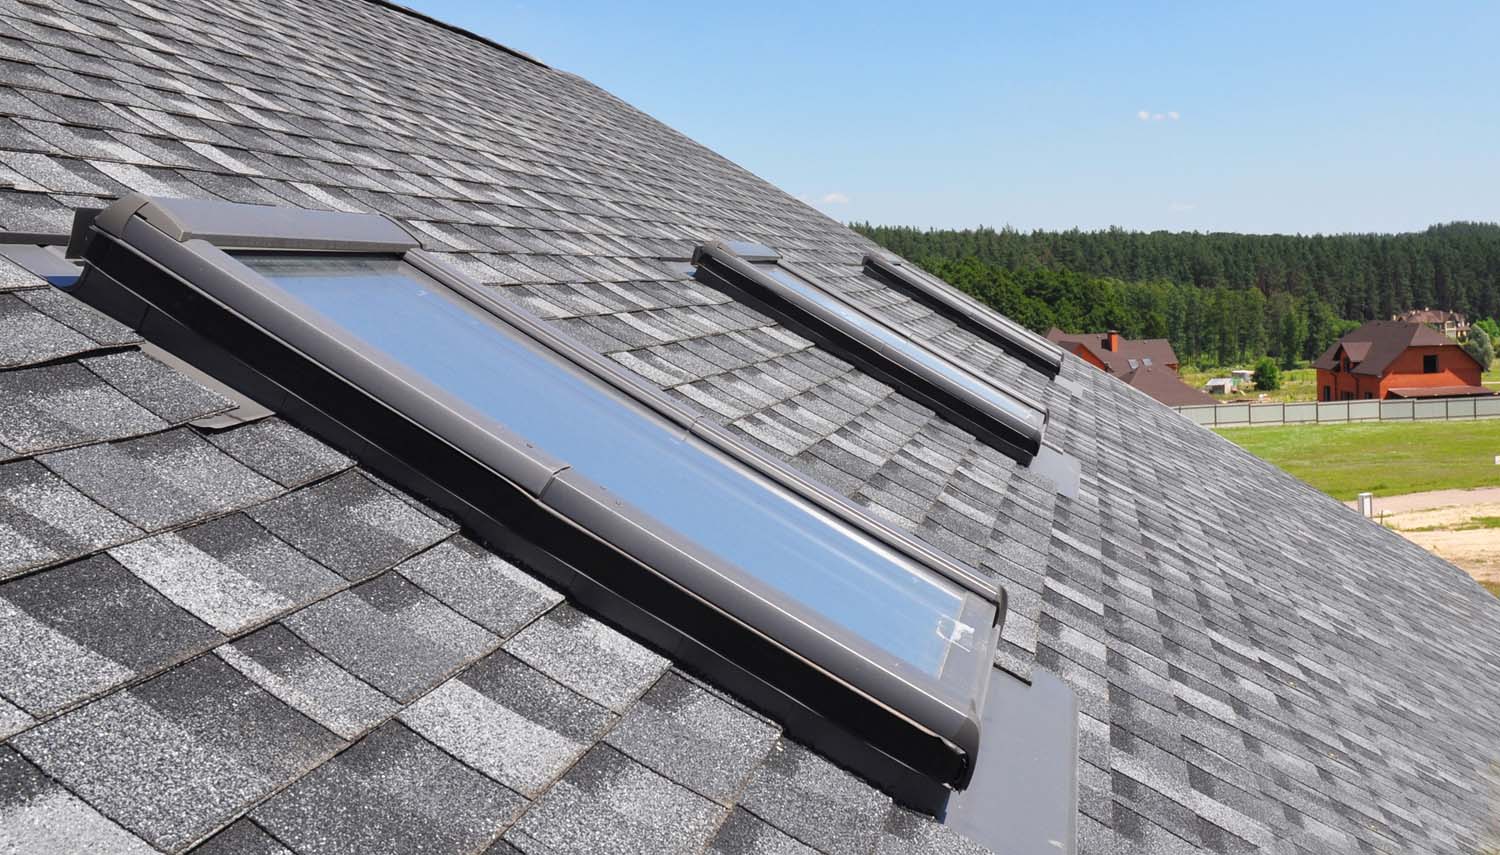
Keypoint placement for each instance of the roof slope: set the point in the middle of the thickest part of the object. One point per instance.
(1158, 350)
(1376, 344)
(1164, 385)
(239, 630)
(1142, 363)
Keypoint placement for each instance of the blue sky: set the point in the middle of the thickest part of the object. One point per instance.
(1284, 117)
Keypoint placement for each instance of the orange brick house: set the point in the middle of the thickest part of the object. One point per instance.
(1397, 359)
(1148, 364)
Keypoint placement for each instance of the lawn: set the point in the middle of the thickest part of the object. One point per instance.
(1297, 384)
(1385, 458)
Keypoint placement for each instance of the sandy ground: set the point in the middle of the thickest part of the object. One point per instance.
(1441, 513)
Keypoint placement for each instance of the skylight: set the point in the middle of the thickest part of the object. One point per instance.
(791, 548)
(960, 307)
(1010, 422)
(786, 593)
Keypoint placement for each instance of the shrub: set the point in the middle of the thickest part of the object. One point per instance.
(1480, 347)
(1267, 375)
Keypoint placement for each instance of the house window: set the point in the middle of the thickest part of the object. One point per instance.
(676, 529)
(1327, 393)
(1346, 396)
(1430, 363)
(1369, 395)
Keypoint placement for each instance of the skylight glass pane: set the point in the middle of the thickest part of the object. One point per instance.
(802, 552)
(888, 337)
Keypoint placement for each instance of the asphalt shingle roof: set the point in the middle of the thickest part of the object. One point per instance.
(239, 641)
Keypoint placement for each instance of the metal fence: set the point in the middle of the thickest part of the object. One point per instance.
(1343, 412)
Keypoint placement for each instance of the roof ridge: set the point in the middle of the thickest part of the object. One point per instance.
(454, 28)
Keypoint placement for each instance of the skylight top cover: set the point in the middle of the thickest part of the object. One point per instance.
(785, 544)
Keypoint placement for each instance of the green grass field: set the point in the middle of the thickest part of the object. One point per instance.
(1298, 384)
(1385, 458)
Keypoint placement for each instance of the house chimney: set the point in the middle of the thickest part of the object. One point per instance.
(1112, 343)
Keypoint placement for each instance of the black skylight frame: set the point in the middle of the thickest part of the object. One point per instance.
(161, 266)
(952, 303)
(1002, 417)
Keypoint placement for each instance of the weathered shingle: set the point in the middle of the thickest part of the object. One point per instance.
(587, 657)
(509, 721)
(275, 659)
(175, 757)
(229, 572)
(160, 480)
(280, 452)
(78, 629)
(242, 838)
(816, 802)
(393, 792)
(170, 395)
(29, 336)
(37, 815)
(44, 520)
(609, 803)
(480, 585)
(57, 406)
(392, 635)
(695, 738)
(84, 319)
(350, 525)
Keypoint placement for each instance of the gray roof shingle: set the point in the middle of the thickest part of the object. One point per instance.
(174, 757)
(1325, 689)
(76, 630)
(392, 635)
(350, 524)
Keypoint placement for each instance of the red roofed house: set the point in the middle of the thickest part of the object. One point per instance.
(1149, 365)
(1397, 359)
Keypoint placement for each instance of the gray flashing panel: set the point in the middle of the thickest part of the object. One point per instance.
(1024, 793)
(999, 329)
(43, 261)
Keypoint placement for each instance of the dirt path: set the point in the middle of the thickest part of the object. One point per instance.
(1445, 522)
(1434, 499)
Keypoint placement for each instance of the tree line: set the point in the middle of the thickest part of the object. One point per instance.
(1219, 298)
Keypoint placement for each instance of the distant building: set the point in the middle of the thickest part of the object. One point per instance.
(1397, 359)
(1454, 325)
(1147, 364)
(1243, 378)
(1220, 386)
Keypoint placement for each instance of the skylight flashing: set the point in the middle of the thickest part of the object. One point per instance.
(917, 731)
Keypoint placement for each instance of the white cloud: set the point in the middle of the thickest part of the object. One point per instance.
(1148, 116)
(1173, 115)
(1181, 207)
(835, 198)
(1143, 115)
